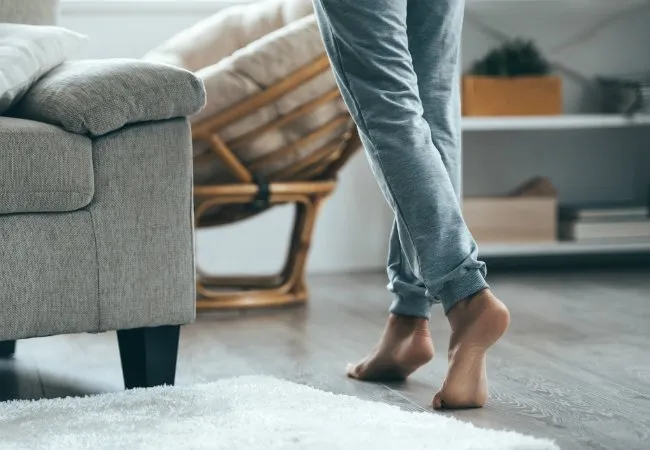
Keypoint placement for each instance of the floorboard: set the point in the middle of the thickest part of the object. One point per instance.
(573, 367)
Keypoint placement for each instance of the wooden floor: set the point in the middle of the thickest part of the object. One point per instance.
(574, 367)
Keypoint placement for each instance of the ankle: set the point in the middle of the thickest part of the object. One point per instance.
(481, 303)
(408, 325)
(407, 322)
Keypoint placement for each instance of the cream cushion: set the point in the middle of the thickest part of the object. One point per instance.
(27, 52)
(251, 68)
(218, 36)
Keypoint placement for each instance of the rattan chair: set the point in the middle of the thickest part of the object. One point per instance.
(305, 183)
(274, 131)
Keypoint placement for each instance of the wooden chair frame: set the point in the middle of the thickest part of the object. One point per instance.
(306, 184)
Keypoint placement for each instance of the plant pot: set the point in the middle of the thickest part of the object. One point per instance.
(518, 96)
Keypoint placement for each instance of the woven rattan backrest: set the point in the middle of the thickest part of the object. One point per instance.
(323, 163)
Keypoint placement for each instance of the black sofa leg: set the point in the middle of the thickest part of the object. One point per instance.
(149, 355)
(7, 349)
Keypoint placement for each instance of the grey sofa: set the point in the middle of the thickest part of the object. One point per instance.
(96, 229)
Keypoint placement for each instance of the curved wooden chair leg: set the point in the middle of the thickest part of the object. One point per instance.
(287, 287)
(303, 231)
(242, 281)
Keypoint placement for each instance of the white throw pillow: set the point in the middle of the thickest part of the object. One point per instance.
(27, 52)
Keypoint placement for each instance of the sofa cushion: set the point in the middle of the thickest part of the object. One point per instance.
(43, 168)
(29, 51)
(220, 35)
(96, 97)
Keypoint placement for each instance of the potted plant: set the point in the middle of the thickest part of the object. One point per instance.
(512, 80)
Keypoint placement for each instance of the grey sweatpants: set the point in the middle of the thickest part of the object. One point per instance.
(395, 63)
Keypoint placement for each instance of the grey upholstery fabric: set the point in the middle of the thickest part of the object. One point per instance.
(142, 212)
(48, 275)
(125, 261)
(34, 12)
(99, 96)
(43, 168)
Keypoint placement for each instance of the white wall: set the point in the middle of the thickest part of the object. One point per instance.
(352, 232)
(353, 229)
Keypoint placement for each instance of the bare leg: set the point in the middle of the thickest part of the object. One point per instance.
(404, 347)
(476, 324)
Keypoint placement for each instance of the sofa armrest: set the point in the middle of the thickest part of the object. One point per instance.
(95, 97)
(143, 225)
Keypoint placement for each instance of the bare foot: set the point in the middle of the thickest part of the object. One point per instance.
(404, 346)
(476, 324)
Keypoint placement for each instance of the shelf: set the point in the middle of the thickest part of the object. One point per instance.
(568, 122)
(581, 5)
(563, 248)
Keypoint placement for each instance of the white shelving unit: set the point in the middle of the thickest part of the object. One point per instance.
(563, 122)
(594, 12)
(593, 6)
(565, 249)
(567, 122)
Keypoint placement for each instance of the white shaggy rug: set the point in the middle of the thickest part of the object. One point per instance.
(238, 414)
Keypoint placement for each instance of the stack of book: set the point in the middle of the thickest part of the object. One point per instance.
(604, 223)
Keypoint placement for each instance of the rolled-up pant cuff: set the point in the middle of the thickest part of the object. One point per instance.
(414, 307)
(454, 291)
